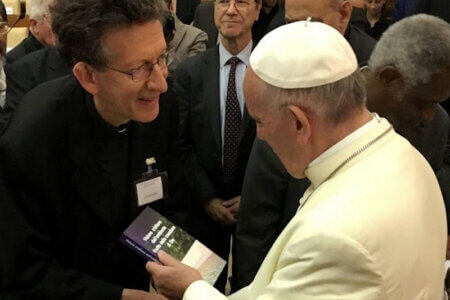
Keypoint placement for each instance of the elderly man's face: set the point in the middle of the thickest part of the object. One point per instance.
(323, 11)
(418, 103)
(275, 126)
(119, 97)
(235, 18)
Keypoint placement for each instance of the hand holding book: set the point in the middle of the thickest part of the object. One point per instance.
(171, 277)
(151, 232)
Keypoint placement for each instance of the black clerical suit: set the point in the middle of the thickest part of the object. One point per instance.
(270, 195)
(197, 87)
(28, 45)
(67, 182)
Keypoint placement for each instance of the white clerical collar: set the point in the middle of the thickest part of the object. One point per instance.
(244, 55)
(347, 140)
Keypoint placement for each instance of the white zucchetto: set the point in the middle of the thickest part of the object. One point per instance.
(303, 54)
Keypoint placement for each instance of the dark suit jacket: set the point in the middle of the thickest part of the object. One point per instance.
(197, 87)
(361, 43)
(359, 20)
(186, 10)
(28, 72)
(65, 205)
(439, 8)
(204, 20)
(28, 45)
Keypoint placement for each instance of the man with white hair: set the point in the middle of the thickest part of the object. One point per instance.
(41, 34)
(366, 229)
(261, 215)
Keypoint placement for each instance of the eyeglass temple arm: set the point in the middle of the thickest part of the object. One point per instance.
(23, 13)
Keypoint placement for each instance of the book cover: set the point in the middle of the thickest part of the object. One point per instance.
(151, 232)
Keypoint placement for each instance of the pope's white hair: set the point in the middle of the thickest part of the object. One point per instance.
(335, 101)
(417, 46)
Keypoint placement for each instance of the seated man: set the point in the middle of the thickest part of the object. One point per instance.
(41, 34)
(187, 41)
(74, 149)
(365, 226)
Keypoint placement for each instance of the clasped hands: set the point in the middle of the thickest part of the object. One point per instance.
(223, 212)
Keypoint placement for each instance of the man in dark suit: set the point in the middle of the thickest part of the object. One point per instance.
(216, 131)
(271, 196)
(41, 34)
(187, 40)
(28, 72)
(74, 149)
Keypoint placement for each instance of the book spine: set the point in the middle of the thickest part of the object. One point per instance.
(148, 255)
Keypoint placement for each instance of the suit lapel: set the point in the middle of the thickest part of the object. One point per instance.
(57, 67)
(211, 77)
(245, 122)
(178, 37)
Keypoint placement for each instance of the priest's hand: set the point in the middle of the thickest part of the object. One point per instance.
(172, 278)
(128, 294)
(219, 213)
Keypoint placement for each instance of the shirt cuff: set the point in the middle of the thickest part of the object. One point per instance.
(200, 289)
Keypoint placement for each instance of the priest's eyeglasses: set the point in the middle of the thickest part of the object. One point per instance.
(144, 71)
(239, 4)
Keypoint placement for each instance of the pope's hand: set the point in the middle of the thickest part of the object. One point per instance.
(171, 277)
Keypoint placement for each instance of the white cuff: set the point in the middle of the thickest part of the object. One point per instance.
(200, 289)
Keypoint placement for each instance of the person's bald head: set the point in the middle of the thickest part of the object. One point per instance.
(335, 13)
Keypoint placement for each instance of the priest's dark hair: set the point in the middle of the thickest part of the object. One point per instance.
(81, 24)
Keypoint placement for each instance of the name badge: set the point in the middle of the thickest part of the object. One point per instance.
(153, 186)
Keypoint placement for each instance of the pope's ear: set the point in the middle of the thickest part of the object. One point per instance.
(302, 123)
(84, 73)
(389, 76)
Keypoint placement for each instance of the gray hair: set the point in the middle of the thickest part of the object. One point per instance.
(38, 9)
(417, 46)
(334, 102)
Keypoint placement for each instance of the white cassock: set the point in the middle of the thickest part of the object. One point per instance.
(376, 229)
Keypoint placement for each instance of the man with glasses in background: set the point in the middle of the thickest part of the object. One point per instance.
(216, 130)
(41, 34)
(74, 149)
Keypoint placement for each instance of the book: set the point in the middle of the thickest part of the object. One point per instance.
(151, 232)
